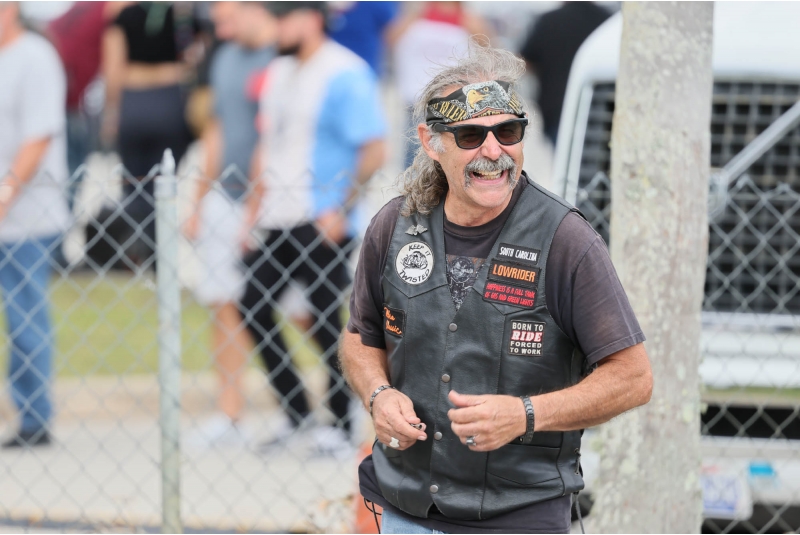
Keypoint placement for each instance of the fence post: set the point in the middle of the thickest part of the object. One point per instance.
(169, 341)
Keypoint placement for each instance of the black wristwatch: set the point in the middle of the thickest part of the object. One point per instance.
(527, 438)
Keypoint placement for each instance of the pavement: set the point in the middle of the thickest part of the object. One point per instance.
(103, 471)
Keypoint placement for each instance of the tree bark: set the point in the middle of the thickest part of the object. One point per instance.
(649, 477)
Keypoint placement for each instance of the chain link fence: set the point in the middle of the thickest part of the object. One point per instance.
(751, 312)
(137, 390)
(114, 402)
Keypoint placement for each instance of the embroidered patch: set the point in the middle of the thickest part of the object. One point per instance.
(508, 294)
(414, 262)
(513, 272)
(394, 321)
(526, 338)
(518, 254)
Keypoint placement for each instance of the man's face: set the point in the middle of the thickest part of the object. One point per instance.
(292, 29)
(223, 14)
(483, 177)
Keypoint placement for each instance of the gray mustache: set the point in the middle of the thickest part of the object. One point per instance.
(485, 165)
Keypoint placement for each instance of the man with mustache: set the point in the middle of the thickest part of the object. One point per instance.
(479, 381)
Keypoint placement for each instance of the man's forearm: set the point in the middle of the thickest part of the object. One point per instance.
(621, 382)
(23, 169)
(212, 143)
(365, 368)
(371, 157)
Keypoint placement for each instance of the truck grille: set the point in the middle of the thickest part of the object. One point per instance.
(754, 244)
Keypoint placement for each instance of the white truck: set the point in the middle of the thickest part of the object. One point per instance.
(751, 311)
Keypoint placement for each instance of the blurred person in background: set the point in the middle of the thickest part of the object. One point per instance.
(217, 222)
(427, 36)
(550, 47)
(361, 27)
(33, 213)
(78, 38)
(322, 139)
(143, 65)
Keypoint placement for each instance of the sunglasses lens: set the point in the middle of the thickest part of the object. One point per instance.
(510, 133)
(469, 137)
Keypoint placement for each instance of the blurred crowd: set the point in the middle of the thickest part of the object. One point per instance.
(287, 100)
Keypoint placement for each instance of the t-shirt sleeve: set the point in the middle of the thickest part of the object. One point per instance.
(357, 97)
(43, 95)
(584, 294)
(366, 301)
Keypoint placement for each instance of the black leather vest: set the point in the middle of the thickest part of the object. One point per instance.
(501, 341)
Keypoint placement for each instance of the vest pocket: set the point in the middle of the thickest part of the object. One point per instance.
(524, 465)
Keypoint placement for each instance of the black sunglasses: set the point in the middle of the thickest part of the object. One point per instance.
(472, 136)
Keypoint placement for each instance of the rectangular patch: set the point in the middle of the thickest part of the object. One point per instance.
(508, 294)
(518, 253)
(394, 321)
(526, 338)
(513, 272)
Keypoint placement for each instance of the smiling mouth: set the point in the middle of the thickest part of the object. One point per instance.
(488, 176)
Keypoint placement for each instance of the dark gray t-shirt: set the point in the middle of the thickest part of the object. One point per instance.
(583, 295)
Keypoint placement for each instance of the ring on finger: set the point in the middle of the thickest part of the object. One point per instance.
(394, 443)
(471, 441)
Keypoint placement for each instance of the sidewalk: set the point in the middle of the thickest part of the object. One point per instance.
(103, 470)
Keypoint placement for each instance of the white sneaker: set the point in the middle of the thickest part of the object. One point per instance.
(331, 441)
(279, 432)
(219, 430)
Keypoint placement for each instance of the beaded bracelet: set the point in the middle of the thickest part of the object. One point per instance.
(378, 391)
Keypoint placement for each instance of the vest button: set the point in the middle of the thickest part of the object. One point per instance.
(434, 489)
(437, 435)
(445, 378)
(453, 327)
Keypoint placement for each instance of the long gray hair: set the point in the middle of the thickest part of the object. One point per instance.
(424, 183)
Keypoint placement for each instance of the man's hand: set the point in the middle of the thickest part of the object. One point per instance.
(394, 417)
(332, 226)
(493, 420)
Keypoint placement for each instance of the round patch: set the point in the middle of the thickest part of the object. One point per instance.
(414, 263)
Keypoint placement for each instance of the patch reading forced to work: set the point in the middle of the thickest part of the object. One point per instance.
(526, 338)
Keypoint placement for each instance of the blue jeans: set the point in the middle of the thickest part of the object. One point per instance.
(394, 523)
(24, 274)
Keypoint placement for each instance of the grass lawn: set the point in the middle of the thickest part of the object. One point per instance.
(109, 326)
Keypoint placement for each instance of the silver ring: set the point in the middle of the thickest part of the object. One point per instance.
(471, 441)
(394, 443)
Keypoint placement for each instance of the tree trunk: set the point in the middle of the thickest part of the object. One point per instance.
(650, 457)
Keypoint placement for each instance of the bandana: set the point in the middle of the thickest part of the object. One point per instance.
(474, 100)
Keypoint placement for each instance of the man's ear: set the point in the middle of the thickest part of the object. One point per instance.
(425, 138)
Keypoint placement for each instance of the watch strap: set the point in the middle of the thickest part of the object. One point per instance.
(530, 420)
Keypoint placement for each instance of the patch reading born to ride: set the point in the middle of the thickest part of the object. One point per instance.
(508, 294)
(394, 321)
(517, 253)
(526, 338)
(513, 272)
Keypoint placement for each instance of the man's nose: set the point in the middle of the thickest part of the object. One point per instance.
(491, 148)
